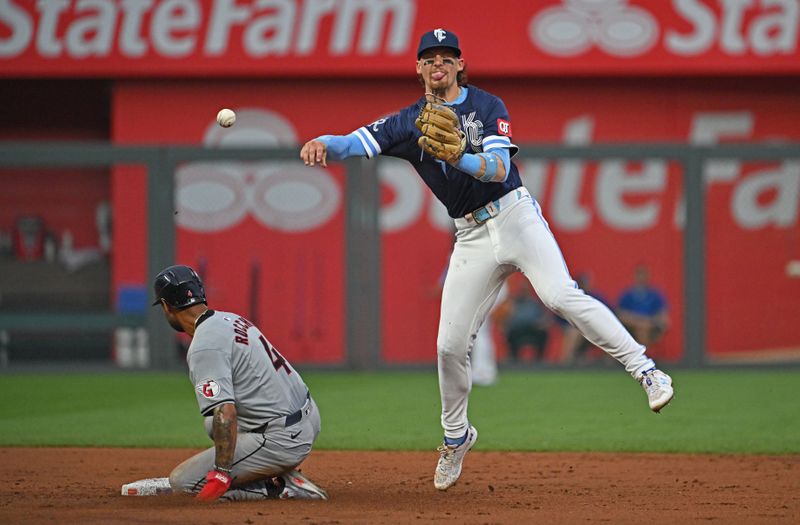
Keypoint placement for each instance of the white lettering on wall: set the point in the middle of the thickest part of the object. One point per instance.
(172, 28)
(783, 188)
(770, 29)
(20, 25)
(732, 39)
(374, 15)
(701, 19)
(566, 208)
(271, 34)
(172, 17)
(615, 183)
(224, 15)
(627, 196)
(130, 38)
(766, 198)
(776, 32)
(708, 129)
(257, 28)
(46, 42)
(92, 34)
(309, 26)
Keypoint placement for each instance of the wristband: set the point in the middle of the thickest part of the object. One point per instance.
(223, 470)
(469, 163)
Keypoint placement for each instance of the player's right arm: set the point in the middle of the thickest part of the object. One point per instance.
(367, 141)
(338, 147)
(224, 433)
(210, 371)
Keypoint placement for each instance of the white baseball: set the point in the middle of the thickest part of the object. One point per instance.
(226, 117)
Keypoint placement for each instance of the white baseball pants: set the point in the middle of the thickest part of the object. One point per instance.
(517, 238)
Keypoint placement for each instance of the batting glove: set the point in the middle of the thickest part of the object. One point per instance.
(217, 483)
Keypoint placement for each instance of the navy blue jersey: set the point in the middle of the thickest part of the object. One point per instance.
(485, 121)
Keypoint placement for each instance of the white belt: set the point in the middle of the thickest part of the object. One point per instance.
(484, 213)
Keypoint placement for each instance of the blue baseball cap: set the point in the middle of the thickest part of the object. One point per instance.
(438, 38)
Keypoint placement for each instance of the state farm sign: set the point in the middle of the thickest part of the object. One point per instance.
(138, 29)
(259, 38)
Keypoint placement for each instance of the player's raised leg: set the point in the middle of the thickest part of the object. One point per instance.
(535, 250)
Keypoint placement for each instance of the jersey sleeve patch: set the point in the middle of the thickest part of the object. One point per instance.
(208, 388)
(504, 127)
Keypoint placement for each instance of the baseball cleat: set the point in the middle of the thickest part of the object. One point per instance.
(300, 487)
(450, 459)
(658, 386)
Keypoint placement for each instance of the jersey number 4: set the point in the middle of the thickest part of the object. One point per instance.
(277, 359)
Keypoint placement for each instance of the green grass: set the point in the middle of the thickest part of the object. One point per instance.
(716, 411)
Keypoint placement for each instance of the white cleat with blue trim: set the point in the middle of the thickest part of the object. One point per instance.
(451, 458)
(658, 386)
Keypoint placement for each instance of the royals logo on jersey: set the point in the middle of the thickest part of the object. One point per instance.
(209, 388)
(473, 128)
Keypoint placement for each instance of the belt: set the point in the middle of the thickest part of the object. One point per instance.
(492, 209)
(291, 419)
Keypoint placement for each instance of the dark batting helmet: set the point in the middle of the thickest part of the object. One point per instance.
(179, 286)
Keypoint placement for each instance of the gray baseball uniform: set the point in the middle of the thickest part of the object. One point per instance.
(230, 361)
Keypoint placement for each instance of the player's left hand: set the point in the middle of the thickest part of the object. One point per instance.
(217, 483)
(441, 135)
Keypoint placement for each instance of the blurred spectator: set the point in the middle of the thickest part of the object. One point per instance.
(643, 309)
(524, 321)
(575, 347)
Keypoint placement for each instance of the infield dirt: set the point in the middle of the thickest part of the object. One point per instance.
(82, 485)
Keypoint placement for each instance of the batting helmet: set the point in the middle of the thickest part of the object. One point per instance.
(179, 286)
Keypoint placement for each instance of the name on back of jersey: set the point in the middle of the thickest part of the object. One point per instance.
(240, 327)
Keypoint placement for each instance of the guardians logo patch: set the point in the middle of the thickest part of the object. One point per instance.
(209, 388)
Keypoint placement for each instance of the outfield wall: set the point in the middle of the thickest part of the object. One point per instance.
(608, 217)
(270, 238)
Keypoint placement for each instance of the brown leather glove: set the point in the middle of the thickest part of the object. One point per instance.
(441, 135)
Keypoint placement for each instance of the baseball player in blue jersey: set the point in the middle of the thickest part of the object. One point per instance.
(258, 410)
(500, 229)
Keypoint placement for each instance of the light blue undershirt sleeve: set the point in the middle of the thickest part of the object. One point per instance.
(343, 146)
(471, 163)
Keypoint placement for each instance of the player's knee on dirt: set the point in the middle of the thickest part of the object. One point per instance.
(180, 482)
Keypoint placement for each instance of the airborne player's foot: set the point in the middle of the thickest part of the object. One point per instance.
(658, 386)
(451, 457)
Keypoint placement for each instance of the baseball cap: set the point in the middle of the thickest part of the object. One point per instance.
(438, 38)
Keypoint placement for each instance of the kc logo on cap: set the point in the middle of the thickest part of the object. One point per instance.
(438, 38)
